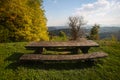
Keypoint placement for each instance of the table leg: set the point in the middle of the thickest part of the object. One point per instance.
(38, 51)
(85, 49)
(75, 50)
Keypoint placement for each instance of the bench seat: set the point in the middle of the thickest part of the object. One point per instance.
(41, 57)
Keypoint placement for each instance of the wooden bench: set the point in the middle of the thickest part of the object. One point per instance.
(40, 57)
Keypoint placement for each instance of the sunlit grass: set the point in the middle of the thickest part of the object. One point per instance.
(103, 69)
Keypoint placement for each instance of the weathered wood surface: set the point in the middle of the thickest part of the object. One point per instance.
(76, 45)
(63, 57)
(48, 44)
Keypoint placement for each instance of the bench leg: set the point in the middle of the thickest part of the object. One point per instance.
(39, 51)
(85, 49)
(75, 50)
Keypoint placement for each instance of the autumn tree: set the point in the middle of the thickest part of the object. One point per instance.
(22, 20)
(94, 33)
(75, 23)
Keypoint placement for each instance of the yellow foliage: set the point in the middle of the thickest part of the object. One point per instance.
(24, 19)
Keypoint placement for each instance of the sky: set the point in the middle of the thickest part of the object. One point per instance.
(102, 12)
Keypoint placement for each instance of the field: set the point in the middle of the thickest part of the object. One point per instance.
(102, 69)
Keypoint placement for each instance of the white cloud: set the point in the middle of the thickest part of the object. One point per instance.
(104, 12)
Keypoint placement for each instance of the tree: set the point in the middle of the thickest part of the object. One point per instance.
(22, 20)
(75, 24)
(94, 33)
(63, 35)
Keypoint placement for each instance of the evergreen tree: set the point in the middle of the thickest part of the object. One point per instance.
(94, 33)
(22, 20)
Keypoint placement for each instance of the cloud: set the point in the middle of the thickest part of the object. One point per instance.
(101, 12)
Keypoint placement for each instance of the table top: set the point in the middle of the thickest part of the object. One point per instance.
(86, 43)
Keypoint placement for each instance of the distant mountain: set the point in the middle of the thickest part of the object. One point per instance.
(102, 29)
(105, 32)
(57, 31)
(109, 29)
(51, 28)
(66, 30)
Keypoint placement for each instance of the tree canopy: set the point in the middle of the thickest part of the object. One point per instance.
(75, 23)
(94, 33)
(22, 20)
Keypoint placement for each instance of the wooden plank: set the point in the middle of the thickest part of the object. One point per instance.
(41, 57)
(48, 44)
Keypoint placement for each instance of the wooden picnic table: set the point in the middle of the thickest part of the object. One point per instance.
(84, 46)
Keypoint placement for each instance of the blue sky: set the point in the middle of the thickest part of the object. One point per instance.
(103, 12)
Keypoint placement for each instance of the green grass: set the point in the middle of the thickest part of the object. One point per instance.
(103, 69)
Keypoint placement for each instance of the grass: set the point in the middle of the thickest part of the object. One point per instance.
(103, 69)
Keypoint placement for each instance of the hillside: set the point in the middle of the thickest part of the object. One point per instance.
(104, 32)
(103, 69)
